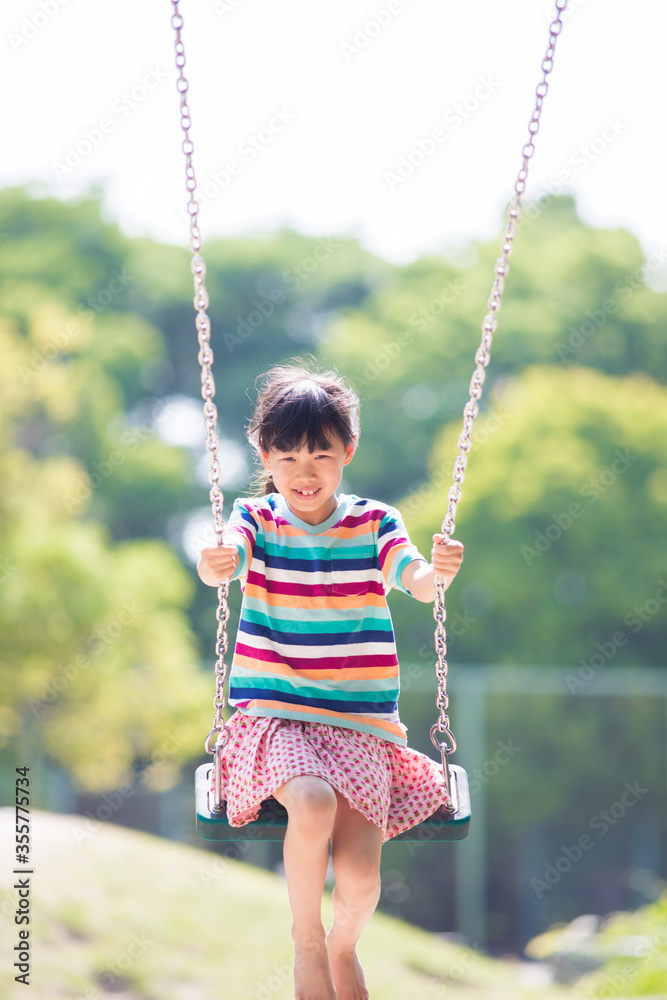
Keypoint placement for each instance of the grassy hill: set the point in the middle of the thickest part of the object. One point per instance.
(120, 915)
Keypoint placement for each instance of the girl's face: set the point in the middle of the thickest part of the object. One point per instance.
(309, 479)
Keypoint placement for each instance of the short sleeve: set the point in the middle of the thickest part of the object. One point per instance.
(395, 549)
(241, 531)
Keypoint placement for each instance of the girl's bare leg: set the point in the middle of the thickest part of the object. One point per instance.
(355, 851)
(311, 808)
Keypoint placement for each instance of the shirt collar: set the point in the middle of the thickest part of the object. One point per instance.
(312, 529)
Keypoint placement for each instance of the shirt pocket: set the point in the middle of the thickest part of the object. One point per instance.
(349, 584)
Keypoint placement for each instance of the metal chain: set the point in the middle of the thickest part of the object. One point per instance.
(471, 409)
(205, 357)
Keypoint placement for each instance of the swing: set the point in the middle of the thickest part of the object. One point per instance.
(448, 823)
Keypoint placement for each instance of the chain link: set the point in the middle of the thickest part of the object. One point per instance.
(447, 745)
(205, 358)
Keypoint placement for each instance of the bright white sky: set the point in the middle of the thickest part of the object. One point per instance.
(333, 121)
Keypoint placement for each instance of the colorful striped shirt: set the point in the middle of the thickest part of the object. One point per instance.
(315, 639)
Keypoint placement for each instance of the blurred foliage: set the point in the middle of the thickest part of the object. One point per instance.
(629, 948)
(564, 497)
(66, 248)
(97, 614)
(638, 943)
(97, 652)
(410, 348)
(269, 298)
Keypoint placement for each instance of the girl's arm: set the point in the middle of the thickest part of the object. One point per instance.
(419, 577)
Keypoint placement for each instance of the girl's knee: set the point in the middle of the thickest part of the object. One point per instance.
(309, 799)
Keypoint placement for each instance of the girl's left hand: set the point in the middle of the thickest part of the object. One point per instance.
(446, 559)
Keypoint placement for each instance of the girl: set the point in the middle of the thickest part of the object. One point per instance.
(315, 676)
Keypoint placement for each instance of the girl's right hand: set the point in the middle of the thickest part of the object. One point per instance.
(217, 565)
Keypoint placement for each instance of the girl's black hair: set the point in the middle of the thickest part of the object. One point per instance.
(297, 405)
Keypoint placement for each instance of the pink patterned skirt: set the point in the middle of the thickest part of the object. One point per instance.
(394, 787)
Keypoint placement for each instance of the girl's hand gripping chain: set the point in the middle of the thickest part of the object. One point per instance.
(217, 565)
(419, 577)
(446, 559)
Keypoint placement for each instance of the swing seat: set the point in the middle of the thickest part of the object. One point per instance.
(272, 820)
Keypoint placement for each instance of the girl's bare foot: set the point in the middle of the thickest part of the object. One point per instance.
(312, 974)
(348, 976)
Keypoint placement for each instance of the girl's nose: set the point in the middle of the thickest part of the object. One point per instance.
(309, 467)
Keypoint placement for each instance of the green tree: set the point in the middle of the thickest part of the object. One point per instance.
(269, 300)
(564, 505)
(66, 247)
(564, 498)
(574, 296)
(98, 660)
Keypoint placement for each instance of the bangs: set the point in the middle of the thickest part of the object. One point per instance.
(304, 415)
(299, 408)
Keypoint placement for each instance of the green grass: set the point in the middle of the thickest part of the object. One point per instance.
(121, 915)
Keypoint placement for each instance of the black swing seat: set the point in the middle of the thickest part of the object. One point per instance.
(272, 820)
